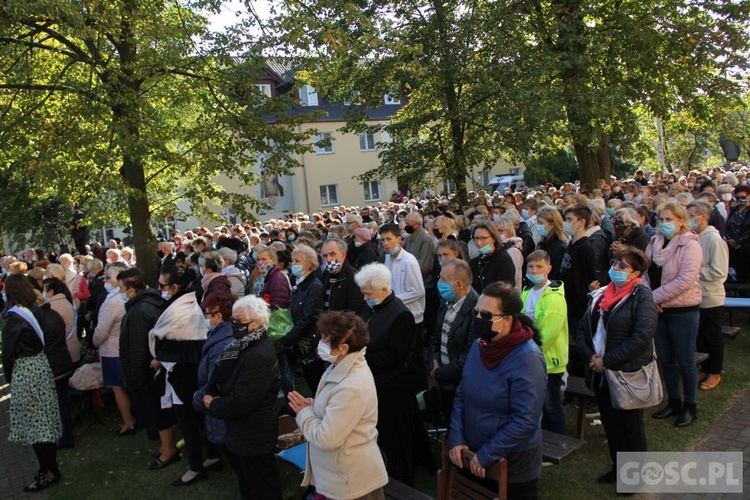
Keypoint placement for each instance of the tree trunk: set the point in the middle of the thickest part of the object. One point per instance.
(588, 164)
(605, 159)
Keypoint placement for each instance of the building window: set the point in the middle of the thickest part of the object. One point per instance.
(367, 141)
(323, 144)
(329, 194)
(264, 88)
(449, 187)
(308, 96)
(484, 177)
(515, 171)
(372, 190)
(391, 100)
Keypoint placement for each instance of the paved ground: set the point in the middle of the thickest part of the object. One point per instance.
(17, 463)
(730, 433)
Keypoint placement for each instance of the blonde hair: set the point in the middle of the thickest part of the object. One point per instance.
(552, 215)
(677, 210)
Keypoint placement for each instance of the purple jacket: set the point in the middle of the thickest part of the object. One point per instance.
(276, 291)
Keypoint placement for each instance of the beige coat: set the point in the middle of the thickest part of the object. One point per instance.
(343, 458)
(107, 333)
(61, 306)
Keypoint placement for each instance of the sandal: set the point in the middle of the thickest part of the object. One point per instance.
(42, 481)
(711, 382)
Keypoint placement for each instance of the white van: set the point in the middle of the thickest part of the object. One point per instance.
(504, 181)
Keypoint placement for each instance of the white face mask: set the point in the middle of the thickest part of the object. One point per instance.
(726, 197)
(166, 295)
(324, 352)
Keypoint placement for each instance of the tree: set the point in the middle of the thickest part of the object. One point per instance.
(557, 169)
(135, 104)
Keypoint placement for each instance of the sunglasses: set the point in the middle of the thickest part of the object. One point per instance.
(487, 315)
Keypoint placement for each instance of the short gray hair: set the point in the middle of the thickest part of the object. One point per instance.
(513, 215)
(597, 207)
(229, 255)
(308, 255)
(354, 218)
(702, 207)
(55, 271)
(629, 215)
(261, 248)
(375, 275)
(213, 260)
(254, 308)
(118, 267)
(343, 247)
(95, 264)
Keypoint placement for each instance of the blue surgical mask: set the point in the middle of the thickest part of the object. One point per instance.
(569, 229)
(108, 287)
(693, 225)
(395, 250)
(124, 297)
(611, 211)
(446, 291)
(201, 261)
(668, 229)
(373, 302)
(255, 255)
(536, 278)
(5, 297)
(495, 217)
(618, 277)
(297, 270)
(485, 249)
(525, 213)
(542, 230)
(208, 324)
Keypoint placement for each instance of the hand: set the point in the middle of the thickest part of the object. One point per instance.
(732, 243)
(594, 285)
(455, 455)
(596, 364)
(435, 366)
(207, 400)
(659, 309)
(476, 468)
(155, 364)
(297, 401)
(617, 246)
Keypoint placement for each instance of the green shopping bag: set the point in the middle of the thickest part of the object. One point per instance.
(279, 324)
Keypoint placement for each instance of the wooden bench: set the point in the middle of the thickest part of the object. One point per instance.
(700, 357)
(730, 332)
(398, 491)
(735, 303)
(453, 485)
(576, 388)
(557, 447)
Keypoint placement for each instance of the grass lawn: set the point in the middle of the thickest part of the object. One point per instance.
(105, 466)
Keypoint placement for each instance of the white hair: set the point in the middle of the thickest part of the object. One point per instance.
(308, 256)
(65, 259)
(629, 215)
(229, 255)
(55, 271)
(254, 308)
(375, 275)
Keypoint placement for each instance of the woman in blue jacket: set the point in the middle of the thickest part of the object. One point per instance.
(497, 411)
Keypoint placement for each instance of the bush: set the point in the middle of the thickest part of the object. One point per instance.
(557, 169)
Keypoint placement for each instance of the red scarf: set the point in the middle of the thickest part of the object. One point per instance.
(612, 297)
(492, 353)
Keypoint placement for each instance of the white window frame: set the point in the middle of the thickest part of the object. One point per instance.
(367, 186)
(324, 150)
(264, 88)
(308, 96)
(328, 192)
(485, 176)
(368, 145)
(391, 100)
(515, 171)
(449, 187)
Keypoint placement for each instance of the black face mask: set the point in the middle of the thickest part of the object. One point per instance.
(366, 218)
(483, 329)
(160, 254)
(409, 229)
(437, 234)
(239, 330)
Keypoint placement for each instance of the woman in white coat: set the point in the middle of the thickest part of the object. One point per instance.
(343, 458)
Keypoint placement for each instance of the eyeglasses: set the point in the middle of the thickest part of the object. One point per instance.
(487, 315)
(618, 264)
(162, 286)
(210, 314)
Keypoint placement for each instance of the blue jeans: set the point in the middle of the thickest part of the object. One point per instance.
(553, 414)
(676, 333)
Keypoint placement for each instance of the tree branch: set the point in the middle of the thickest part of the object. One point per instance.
(46, 28)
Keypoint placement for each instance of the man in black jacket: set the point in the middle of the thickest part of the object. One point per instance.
(341, 291)
(143, 306)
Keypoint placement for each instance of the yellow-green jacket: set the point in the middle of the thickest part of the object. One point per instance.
(551, 318)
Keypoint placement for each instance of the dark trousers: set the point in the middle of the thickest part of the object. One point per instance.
(147, 410)
(553, 414)
(63, 401)
(528, 490)
(710, 340)
(313, 372)
(257, 475)
(187, 419)
(417, 367)
(431, 305)
(624, 429)
(46, 455)
(396, 431)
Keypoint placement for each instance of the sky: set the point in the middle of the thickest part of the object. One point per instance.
(234, 7)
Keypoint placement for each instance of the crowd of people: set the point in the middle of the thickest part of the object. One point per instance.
(486, 308)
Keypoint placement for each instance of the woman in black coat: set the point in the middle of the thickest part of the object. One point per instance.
(392, 336)
(549, 225)
(493, 263)
(304, 306)
(737, 233)
(629, 231)
(627, 308)
(242, 391)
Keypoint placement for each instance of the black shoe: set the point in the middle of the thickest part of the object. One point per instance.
(198, 477)
(687, 415)
(42, 481)
(127, 432)
(608, 477)
(158, 464)
(673, 408)
(65, 446)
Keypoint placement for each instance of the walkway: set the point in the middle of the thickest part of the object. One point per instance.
(17, 463)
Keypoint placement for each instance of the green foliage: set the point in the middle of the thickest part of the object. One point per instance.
(557, 169)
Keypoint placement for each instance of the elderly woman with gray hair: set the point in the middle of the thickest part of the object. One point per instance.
(304, 306)
(628, 231)
(392, 336)
(242, 391)
(236, 277)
